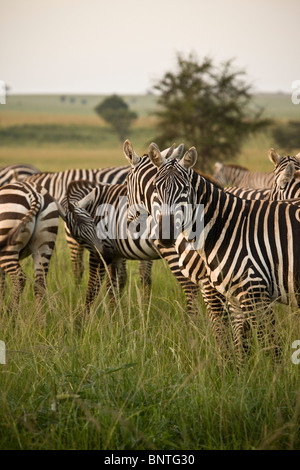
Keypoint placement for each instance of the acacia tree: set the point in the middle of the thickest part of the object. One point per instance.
(116, 112)
(206, 107)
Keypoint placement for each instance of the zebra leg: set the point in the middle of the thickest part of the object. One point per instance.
(18, 280)
(145, 268)
(96, 276)
(255, 314)
(2, 283)
(77, 251)
(116, 279)
(190, 289)
(215, 303)
(41, 261)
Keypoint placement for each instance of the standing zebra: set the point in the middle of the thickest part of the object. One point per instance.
(249, 247)
(16, 172)
(28, 225)
(140, 197)
(235, 175)
(56, 184)
(83, 218)
(286, 181)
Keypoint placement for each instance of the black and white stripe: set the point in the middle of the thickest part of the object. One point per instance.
(235, 175)
(249, 247)
(286, 182)
(57, 183)
(140, 200)
(83, 221)
(28, 226)
(16, 172)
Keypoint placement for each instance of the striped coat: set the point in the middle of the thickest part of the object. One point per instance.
(57, 183)
(16, 172)
(28, 226)
(235, 175)
(250, 248)
(83, 219)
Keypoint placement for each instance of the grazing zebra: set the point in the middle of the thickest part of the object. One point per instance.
(249, 247)
(82, 218)
(56, 184)
(28, 225)
(16, 172)
(235, 175)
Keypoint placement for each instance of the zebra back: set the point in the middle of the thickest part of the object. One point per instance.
(246, 193)
(16, 172)
(57, 183)
(235, 175)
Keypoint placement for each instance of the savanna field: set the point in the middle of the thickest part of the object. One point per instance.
(142, 374)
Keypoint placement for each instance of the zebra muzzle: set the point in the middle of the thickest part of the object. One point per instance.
(166, 229)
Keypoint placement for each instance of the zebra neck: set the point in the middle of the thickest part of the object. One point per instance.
(219, 212)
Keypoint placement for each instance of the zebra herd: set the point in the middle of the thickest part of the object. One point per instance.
(243, 257)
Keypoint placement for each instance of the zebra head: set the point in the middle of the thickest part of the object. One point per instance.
(81, 224)
(172, 194)
(140, 179)
(286, 182)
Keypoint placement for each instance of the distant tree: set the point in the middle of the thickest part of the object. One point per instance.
(206, 107)
(287, 136)
(117, 114)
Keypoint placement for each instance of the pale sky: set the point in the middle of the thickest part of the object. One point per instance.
(123, 46)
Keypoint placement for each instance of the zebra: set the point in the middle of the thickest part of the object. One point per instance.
(81, 217)
(56, 184)
(140, 194)
(249, 247)
(16, 172)
(285, 185)
(286, 182)
(235, 175)
(28, 226)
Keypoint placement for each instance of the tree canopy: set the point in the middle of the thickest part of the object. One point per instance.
(116, 112)
(206, 107)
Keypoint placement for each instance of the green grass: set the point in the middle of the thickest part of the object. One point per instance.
(67, 135)
(141, 375)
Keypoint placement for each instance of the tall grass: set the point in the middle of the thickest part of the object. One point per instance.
(140, 375)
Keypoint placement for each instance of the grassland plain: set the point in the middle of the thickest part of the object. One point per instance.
(139, 375)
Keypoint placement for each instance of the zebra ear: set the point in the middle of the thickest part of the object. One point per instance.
(61, 210)
(178, 152)
(286, 175)
(219, 166)
(130, 154)
(167, 153)
(189, 159)
(273, 156)
(86, 200)
(155, 155)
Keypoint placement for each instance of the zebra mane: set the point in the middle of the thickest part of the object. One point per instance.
(209, 178)
(238, 167)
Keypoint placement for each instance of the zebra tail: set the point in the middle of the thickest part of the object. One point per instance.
(15, 235)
